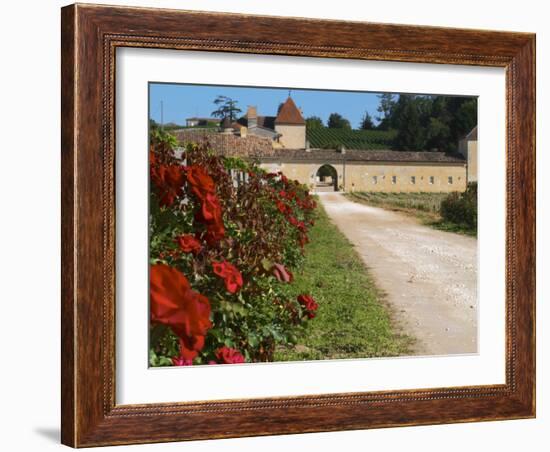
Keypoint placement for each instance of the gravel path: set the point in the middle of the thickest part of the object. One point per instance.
(429, 276)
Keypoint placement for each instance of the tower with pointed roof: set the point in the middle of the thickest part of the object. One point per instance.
(291, 126)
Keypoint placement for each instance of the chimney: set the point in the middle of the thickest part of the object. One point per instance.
(252, 117)
(226, 126)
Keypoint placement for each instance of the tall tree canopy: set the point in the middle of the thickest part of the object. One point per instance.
(227, 107)
(366, 122)
(337, 121)
(386, 106)
(407, 119)
(429, 122)
(314, 122)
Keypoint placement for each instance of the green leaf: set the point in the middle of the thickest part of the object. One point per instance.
(267, 264)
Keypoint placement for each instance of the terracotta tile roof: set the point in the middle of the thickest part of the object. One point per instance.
(289, 114)
(227, 144)
(260, 148)
(356, 155)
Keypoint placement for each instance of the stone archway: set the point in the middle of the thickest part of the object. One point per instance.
(326, 178)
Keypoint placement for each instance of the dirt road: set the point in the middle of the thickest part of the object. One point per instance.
(429, 276)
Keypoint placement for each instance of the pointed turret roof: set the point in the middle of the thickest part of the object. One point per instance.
(289, 114)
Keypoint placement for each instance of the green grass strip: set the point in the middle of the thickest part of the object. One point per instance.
(352, 320)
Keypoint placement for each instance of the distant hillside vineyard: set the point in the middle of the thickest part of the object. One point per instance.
(327, 138)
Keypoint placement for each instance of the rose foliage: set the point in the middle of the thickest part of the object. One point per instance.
(225, 239)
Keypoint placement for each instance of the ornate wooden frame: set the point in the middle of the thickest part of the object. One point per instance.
(90, 35)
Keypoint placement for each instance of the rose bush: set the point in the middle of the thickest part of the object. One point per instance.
(225, 237)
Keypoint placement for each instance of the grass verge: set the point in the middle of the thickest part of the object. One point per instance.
(352, 320)
(424, 206)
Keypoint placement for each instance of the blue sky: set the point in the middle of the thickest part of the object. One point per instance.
(184, 101)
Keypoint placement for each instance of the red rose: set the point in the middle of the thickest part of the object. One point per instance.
(230, 274)
(281, 273)
(227, 355)
(180, 361)
(282, 207)
(201, 183)
(188, 244)
(214, 233)
(176, 305)
(169, 181)
(309, 305)
(211, 215)
(211, 211)
(292, 220)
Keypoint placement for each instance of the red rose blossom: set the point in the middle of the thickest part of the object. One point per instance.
(211, 216)
(214, 233)
(292, 220)
(309, 304)
(180, 361)
(188, 244)
(227, 355)
(176, 305)
(230, 274)
(211, 211)
(168, 180)
(201, 183)
(282, 207)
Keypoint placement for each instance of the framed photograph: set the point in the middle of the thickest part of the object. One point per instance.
(282, 225)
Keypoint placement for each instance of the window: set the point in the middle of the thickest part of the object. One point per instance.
(413, 179)
(394, 179)
(431, 180)
(375, 179)
(450, 180)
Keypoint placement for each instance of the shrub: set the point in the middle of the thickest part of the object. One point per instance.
(461, 208)
(225, 237)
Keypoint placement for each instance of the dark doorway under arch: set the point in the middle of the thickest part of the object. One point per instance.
(326, 178)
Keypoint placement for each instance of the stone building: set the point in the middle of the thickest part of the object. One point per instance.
(468, 148)
(382, 171)
(279, 143)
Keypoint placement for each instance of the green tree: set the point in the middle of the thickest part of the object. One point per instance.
(386, 106)
(450, 119)
(366, 122)
(314, 122)
(435, 121)
(465, 118)
(337, 121)
(227, 107)
(431, 122)
(410, 133)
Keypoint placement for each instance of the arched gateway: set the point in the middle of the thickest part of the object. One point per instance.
(326, 178)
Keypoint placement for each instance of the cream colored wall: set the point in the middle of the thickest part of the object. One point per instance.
(379, 177)
(360, 176)
(293, 137)
(472, 161)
